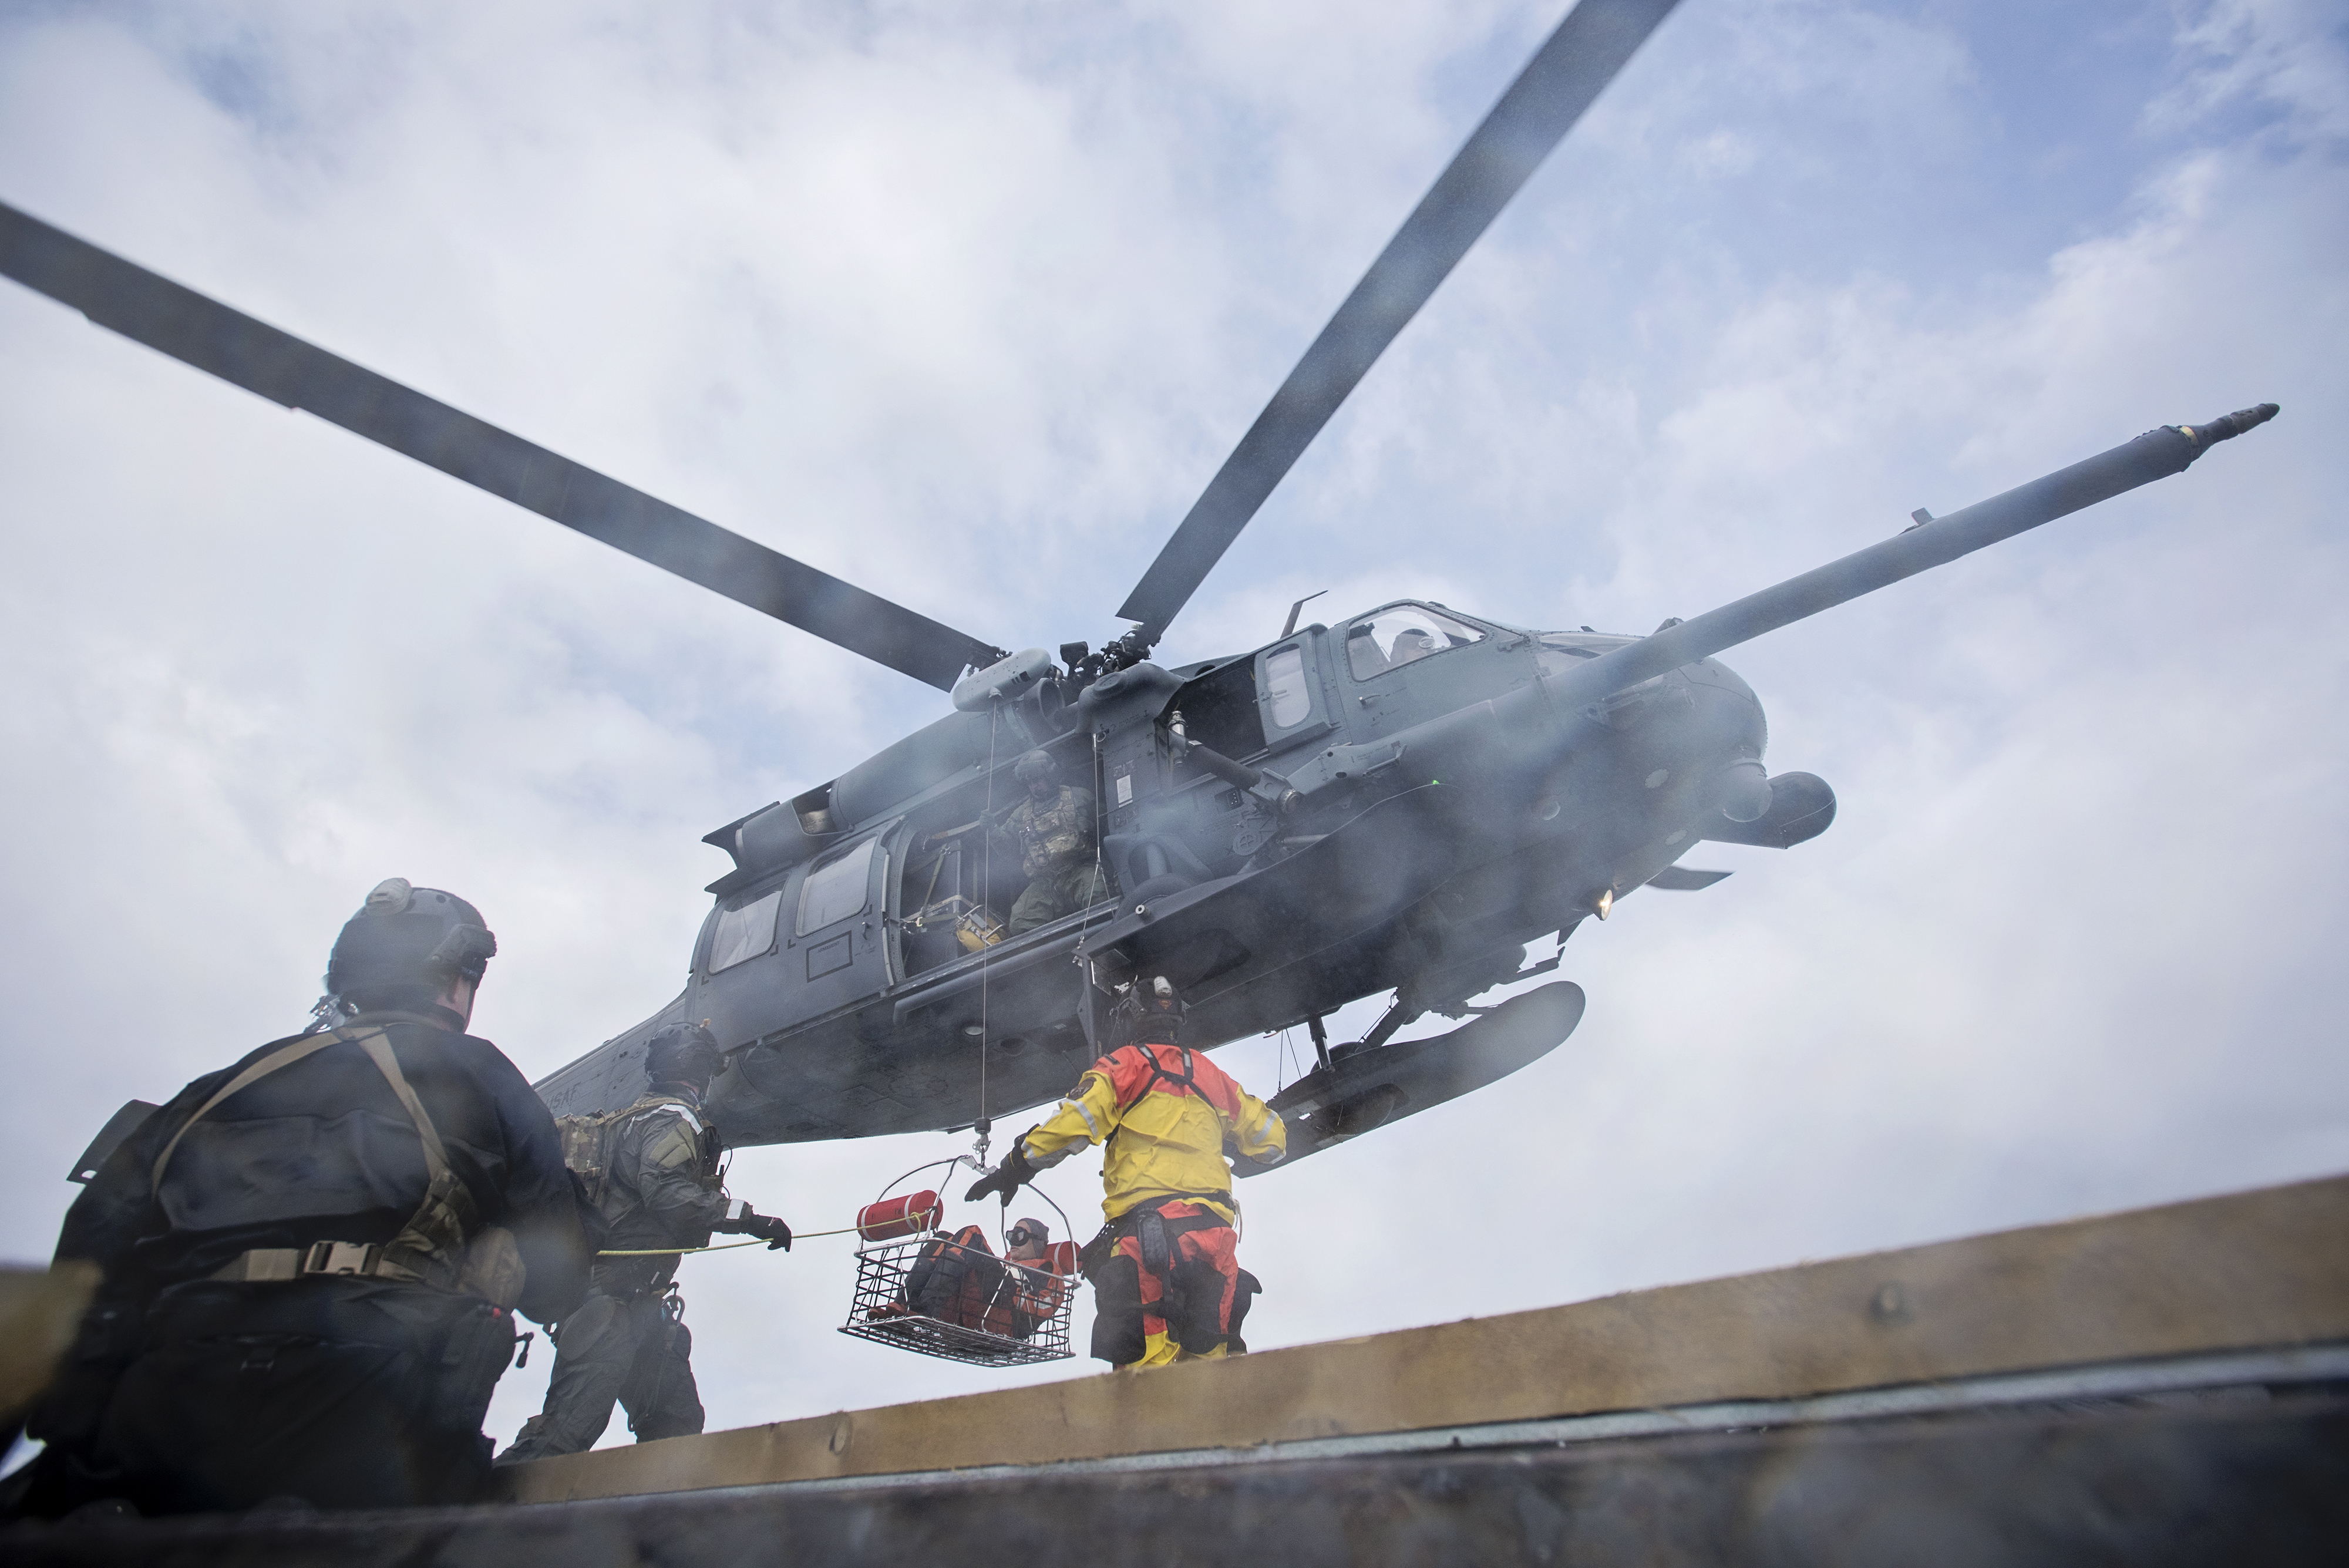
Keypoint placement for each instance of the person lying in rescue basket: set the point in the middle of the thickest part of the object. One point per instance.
(649, 1173)
(1167, 1284)
(313, 1257)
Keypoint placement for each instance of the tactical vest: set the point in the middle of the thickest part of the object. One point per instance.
(590, 1142)
(443, 1244)
(1055, 834)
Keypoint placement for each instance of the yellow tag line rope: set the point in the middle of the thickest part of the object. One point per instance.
(675, 1252)
(719, 1247)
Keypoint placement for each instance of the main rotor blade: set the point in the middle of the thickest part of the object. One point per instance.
(162, 315)
(1548, 96)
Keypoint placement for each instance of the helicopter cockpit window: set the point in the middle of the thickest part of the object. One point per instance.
(1284, 683)
(837, 888)
(743, 934)
(1393, 638)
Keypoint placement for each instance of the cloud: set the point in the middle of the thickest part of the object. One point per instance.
(965, 306)
(2289, 58)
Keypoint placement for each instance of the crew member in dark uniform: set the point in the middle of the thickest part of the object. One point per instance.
(658, 1193)
(1054, 829)
(312, 1258)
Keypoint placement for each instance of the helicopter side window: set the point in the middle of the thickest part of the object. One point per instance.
(1284, 683)
(745, 934)
(838, 889)
(1392, 638)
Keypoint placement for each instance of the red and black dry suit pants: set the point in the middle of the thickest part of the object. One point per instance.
(1167, 1284)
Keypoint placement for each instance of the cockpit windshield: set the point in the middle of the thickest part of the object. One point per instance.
(1392, 638)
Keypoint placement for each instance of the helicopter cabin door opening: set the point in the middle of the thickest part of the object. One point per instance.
(1173, 822)
(1219, 708)
(954, 894)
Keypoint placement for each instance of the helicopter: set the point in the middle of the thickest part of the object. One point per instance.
(1404, 802)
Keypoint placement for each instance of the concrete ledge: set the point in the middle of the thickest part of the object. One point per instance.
(2241, 1474)
(2259, 1269)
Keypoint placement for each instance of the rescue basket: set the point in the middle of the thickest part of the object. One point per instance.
(949, 1294)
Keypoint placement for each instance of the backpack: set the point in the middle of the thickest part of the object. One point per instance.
(589, 1143)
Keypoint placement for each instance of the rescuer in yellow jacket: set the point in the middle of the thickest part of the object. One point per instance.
(1167, 1279)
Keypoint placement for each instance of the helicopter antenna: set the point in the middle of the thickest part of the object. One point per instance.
(1300, 605)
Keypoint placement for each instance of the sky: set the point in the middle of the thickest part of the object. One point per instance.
(966, 303)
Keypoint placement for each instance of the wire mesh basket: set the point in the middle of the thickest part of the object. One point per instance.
(951, 1296)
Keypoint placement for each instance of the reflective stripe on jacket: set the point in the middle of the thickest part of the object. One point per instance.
(1166, 1135)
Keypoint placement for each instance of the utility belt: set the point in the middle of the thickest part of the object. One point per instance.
(491, 1268)
(633, 1279)
(365, 1260)
(1156, 1233)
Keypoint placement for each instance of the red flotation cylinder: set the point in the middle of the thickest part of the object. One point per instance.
(894, 1217)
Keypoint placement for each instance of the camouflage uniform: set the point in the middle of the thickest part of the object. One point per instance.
(628, 1341)
(1056, 853)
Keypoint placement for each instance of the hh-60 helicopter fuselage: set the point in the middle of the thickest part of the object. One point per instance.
(1429, 792)
(1419, 812)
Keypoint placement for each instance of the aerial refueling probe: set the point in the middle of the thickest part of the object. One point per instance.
(1934, 542)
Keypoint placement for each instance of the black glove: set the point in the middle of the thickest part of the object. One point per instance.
(765, 1227)
(1006, 1179)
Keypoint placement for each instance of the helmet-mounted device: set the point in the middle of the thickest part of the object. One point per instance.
(406, 935)
(1154, 1009)
(1034, 767)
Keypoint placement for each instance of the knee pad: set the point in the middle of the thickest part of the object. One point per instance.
(1198, 1293)
(1117, 1313)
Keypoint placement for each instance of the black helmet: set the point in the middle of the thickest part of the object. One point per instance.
(1036, 764)
(682, 1053)
(1158, 1010)
(405, 937)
